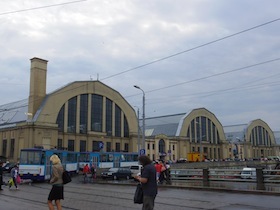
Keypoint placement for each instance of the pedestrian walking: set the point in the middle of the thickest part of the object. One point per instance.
(14, 175)
(162, 172)
(167, 173)
(93, 171)
(148, 179)
(56, 193)
(86, 173)
(1, 175)
(158, 167)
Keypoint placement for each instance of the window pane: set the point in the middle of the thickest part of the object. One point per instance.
(117, 121)
(96, 113)
(109, 115)
(60, 119)
(71, 145)
(83, 146)
(84, 113)
(72, 111)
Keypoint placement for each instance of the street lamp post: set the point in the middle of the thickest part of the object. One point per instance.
(143, 120)
(138, 130)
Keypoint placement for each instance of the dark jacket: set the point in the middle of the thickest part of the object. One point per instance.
(1, 175)
(149, 188)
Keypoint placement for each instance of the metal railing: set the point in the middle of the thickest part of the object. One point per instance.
(229, 174)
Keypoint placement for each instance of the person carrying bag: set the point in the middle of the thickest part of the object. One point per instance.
(138, 196)
(148, 180)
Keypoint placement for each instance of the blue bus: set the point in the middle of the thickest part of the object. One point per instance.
(35, 163)
(108, 159)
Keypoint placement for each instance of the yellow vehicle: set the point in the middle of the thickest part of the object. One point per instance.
(195, 157)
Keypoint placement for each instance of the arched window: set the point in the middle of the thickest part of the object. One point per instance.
(202, 128)
(260, 136)
(102, 112)
(161, 146)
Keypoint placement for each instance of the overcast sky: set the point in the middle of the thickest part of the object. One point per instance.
(103, 39)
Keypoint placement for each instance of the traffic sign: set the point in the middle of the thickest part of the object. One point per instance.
(142, 152)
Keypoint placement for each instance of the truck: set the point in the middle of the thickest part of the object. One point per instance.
(195, 157)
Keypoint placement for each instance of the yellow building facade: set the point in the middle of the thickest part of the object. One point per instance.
(76, 117)
(81, 115)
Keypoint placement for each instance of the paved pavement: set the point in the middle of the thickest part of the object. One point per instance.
(109, 196)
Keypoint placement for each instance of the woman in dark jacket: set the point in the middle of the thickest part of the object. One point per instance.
(56, 192)
(148, 179)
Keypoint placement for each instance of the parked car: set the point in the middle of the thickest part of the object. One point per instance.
(135, 169)
(117, 173)
(182, 160)
(8, 167)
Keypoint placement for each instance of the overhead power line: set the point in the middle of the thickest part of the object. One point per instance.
(210, 76)
(149, 91)
(42, 7)
(215, 75)
(191, 49)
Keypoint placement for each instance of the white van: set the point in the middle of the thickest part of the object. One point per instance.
(135, 169)
(248, 173)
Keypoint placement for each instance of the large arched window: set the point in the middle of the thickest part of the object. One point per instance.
(202, 128)
(260, 137)
(161, 146)
(99, 109)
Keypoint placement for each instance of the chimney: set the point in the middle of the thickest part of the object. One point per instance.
(38, 81)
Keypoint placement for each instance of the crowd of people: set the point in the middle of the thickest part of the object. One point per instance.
(153, 174)
(162, 171)
(89, 172)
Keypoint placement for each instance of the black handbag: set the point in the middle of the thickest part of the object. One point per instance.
(138, 196)
(66, 177)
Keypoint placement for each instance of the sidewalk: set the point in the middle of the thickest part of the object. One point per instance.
(114, 195)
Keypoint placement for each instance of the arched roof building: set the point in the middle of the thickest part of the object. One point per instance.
(252, 140)
(80, 115)
(200, 130)
(196, 131)
(77, 116)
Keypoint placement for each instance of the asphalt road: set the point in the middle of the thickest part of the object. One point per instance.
(107, 196)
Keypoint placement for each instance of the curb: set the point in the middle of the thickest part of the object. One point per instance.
(216, 189)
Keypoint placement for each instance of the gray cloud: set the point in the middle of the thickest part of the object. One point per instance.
(107, 37)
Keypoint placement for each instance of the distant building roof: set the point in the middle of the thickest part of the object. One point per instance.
(277, 136)
(166, 125)
(235, 132)
(12, 113)
(169, 124)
